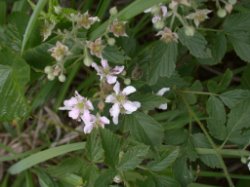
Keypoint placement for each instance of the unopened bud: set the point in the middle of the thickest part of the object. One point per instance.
(101, 105)
(57, 9)
(48, 69)
(127, 81)
(124, 73)
(243, 160)
(50, 76)
(62, 78)
(113, 11)
(229, 8)
(159, 25)
(221, 13)
(111, 41)
(87, 60)
(189, 30)
(117, 179)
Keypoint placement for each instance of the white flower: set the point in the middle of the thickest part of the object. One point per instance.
(96, 47)
(167, 35)
(199, 16)
(79, 108)
(59, 51)
(95, 122)
(159, 12)
(47, 29)
(118, 28)
(121, 104)
(106, 72)
(161, 92)
(83, 20)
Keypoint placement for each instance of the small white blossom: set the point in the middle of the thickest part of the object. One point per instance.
(79, 108)
(199, 16)
(118, 28)
(59, 51)
(121, 104)
(107, 73)
(96, 47)
(47, 29)
(95, 122)
(161, 92)
(167, 35)
(175, 3)
(84, 20)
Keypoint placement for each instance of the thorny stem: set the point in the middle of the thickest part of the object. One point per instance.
(217, 150)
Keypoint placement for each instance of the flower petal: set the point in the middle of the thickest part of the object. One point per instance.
(164, 11)
(88, 128)
(117, 70)
(104, 120)
(163, 106)
(116, 88)
(74, 113)
(104, 63)
(114, 112)
(130, 106)
(96, 67)
(111, 79)
(162, 91)
(128, 90)
(110, 99)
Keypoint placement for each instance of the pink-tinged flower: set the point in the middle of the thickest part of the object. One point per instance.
(167, 35)
(199, 16)
(107, 73)
(59, 51)
(118, 28)
(121, 104)
(159, 10)
(161, 92)
(96, 122)
(96, 47)
(79, 108)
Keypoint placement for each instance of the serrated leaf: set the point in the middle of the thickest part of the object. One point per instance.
(210, 160)
(237, 22)
(165, 162)
(133, 157)
(239, 123)
(44, 179)
(111, 146)
(105, 179)
(114, 55)
(14, 74)
(222, 85)
(197, 44)
(217, 118)
(233, 97)
(144, 128)
(163, 61)
(241, 44)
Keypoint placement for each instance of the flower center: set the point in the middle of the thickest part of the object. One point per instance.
(80, 105)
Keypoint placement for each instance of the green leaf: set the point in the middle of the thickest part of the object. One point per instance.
(245, 79)
(42, 156)
(43, 178)
(162, 181)
(3, 11)
(241, 44)
(14, 74)
(32, 22)
(210, 160)
(218, 48)
(111, 145)
(94, 150)
(114, 55)
(165, 162)
(197, 44)
(239, 123)
(237, 22)
(133, 157)
(163, 61)
(144, 128)
(222, 84)
(233, 97)
(217, 118)
(105, 179)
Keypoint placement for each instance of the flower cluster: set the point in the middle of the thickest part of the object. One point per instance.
(80, 107)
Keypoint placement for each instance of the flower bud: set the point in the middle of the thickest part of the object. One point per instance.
(189, 30)
(87, 61)
(243, 160)
(127, 81)
(48, 69)
(62, 78)
(124, 73)
(117, 179)
(113, 11)
(232, 2)
(159, 25)
(155, 10)
(57, 9)
(229, 8)
(221, 13)
(111, 41)
(50, 76)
